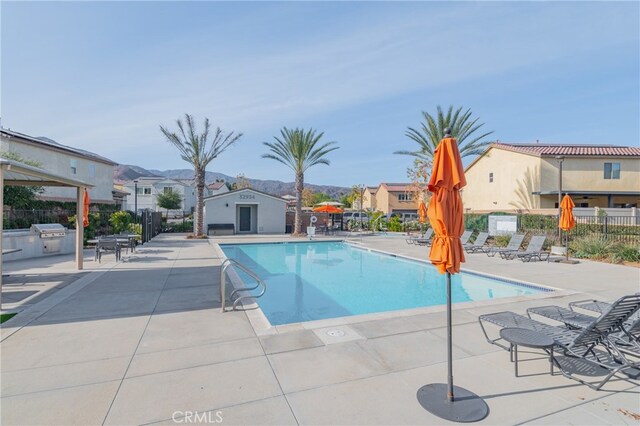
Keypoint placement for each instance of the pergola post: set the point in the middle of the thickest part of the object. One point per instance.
(1, 221)
(79, 227)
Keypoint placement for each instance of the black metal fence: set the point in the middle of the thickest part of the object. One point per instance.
(617, 228)
(151, 225)
(23, 219)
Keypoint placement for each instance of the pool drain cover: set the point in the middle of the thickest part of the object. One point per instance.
(335, 333)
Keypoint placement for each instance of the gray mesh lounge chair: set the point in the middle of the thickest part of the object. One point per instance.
(478, 244)
(626, 339)
(533, 251)
(514, 245)
(580, 344)
(427, 234)
(464, 238)
(425, 240)
(571, 318)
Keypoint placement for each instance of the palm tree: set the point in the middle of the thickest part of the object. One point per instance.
(431, 132)
(199, 149)
(297, 150)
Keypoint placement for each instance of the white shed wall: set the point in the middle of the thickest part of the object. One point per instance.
(270, 212)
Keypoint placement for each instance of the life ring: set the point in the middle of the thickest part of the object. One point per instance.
(313, 219)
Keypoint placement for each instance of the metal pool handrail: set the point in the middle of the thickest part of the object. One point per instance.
(223, 283)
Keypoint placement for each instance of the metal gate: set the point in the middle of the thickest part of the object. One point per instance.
(151, 225)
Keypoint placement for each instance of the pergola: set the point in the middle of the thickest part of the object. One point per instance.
(13, 173)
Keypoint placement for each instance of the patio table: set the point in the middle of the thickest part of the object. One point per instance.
(529, 339)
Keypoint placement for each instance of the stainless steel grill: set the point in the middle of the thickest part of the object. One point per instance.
(49, 230)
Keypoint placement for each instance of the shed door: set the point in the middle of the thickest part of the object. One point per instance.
(245, 219)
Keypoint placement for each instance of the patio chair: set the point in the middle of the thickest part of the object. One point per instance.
(626, 339)
(107, 245)
(580, 344)
(130, 244)
(574, 319)
(464, 238)
(514, 245)
(533, 251)
(478, 244)
(425, 240)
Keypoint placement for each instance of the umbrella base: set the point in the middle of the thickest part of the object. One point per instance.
(466, 407)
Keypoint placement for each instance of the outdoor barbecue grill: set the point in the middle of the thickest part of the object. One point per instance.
(53, 233)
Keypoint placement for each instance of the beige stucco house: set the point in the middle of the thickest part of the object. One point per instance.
(390, 198)
(511, 177)
(65, 161)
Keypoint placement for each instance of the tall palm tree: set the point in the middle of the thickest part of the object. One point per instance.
(431, 131)
(298, 150)
(199, 149)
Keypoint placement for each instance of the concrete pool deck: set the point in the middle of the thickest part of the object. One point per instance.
(143, 341)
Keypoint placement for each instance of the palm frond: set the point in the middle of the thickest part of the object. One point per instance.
(431, 131)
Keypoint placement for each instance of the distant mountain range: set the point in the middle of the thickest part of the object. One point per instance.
(275, 187)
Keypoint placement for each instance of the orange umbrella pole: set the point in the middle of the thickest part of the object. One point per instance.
(449, 340)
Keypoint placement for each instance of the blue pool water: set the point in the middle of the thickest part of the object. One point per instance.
(318, 280)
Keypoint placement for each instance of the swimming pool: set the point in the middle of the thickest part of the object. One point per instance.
(317, 280)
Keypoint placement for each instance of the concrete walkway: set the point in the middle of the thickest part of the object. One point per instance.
(143, 341)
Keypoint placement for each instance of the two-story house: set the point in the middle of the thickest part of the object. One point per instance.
(217, 187)
(511, 177)
(148, 189)
(66, 161)
(390, 198)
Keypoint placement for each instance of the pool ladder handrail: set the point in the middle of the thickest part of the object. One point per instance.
(223, 283)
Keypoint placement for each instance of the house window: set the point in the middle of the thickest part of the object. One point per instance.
(168, 189)
(612, 170)
(490, 177)
(404, 197)
(73, 164)
(92, 170)
(144, 191)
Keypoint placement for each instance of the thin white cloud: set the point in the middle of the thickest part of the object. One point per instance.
(381, 56)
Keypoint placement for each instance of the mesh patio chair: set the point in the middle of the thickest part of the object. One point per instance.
(107, 245)
(628, 334)
(464, 238)
(514, 245)
(425, 240)
(533, 251)
(583, 344)
(479, 244)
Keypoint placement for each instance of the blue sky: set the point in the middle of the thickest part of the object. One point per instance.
(104, 76)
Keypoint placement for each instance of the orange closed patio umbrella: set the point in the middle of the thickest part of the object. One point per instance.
(567, 221)
(85, 215)
(447, 220)
(422, 212)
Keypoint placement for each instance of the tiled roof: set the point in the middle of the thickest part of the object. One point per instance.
(571, 150)
(215, 185)
(55, 145)
(397, 187)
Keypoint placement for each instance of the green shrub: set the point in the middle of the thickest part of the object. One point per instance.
(120, 221)
(592, 247)
(135, 228)
(89, 231)
(502, 240)
(186, 226)
(394, 224)
(414, 225)
(625, 253)
(476, 222)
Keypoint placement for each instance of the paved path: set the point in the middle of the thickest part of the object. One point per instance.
(143, 341)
